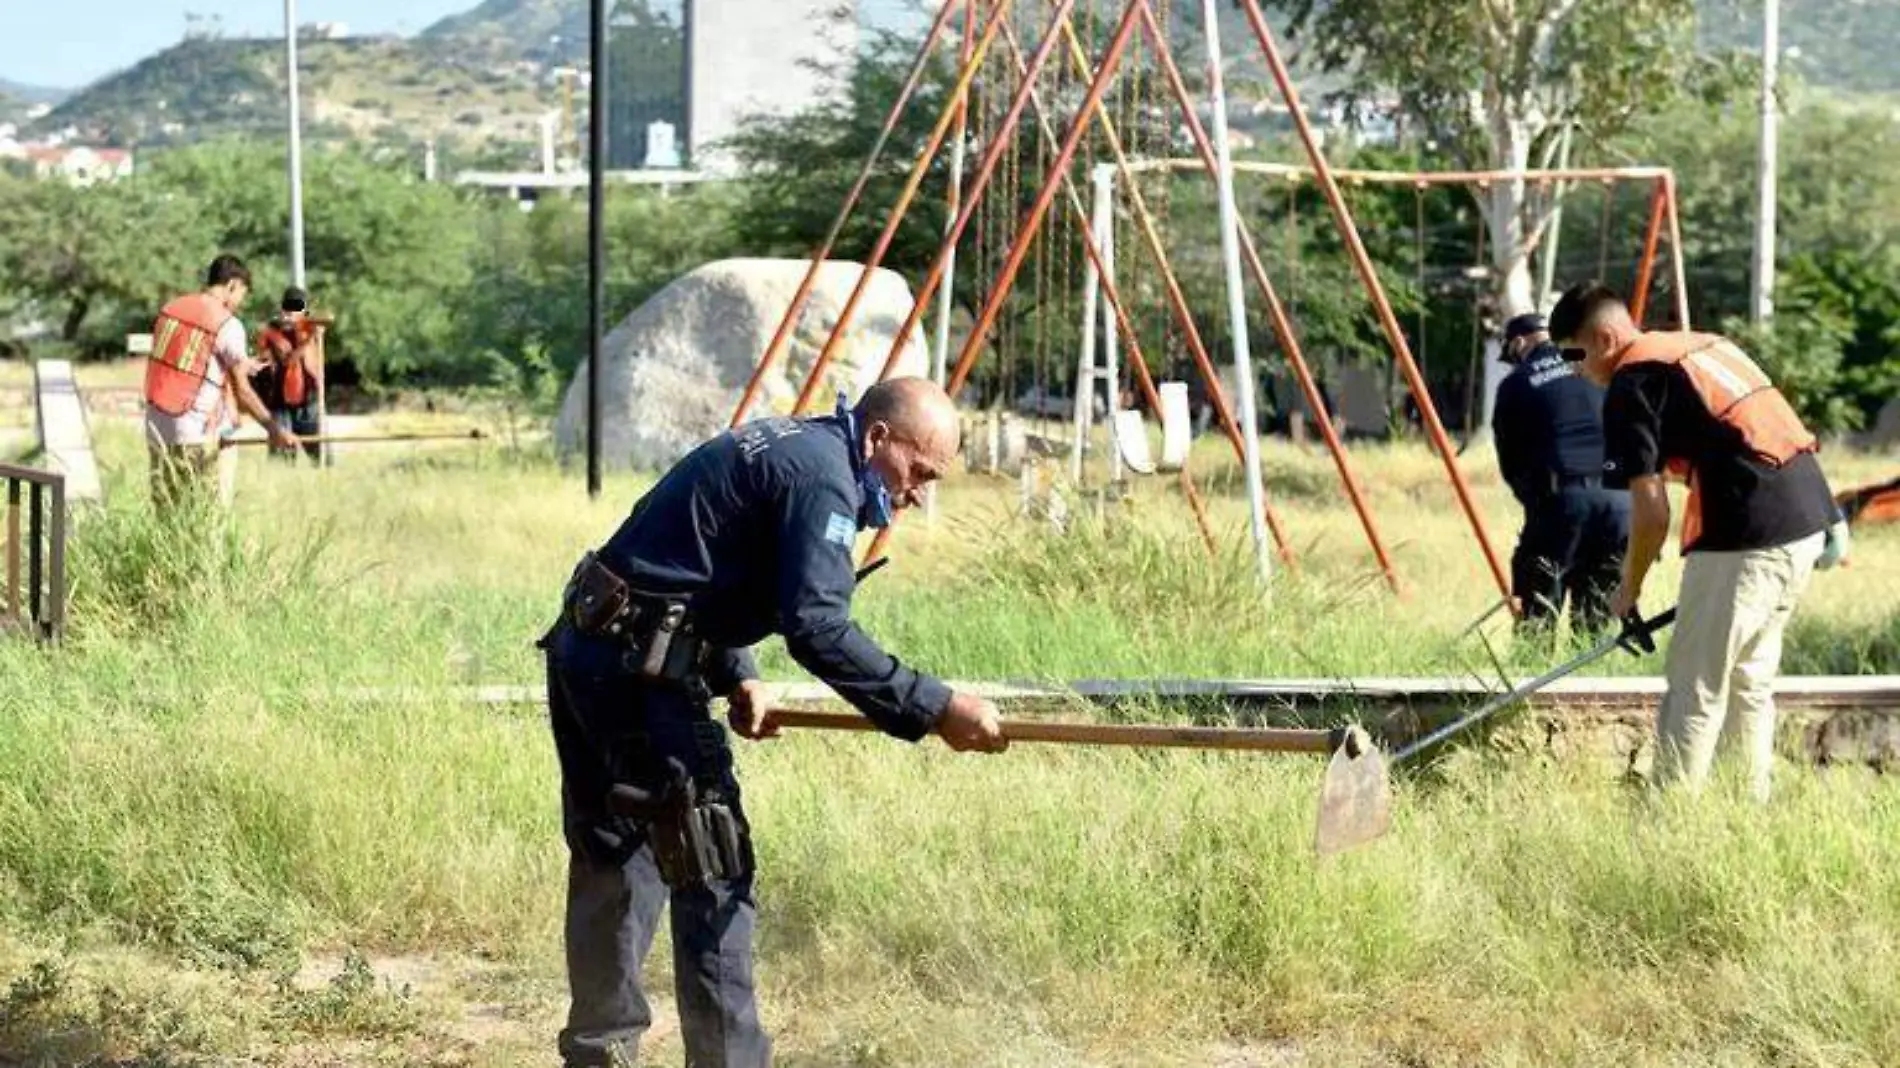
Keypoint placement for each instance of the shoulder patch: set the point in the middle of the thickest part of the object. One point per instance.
(842, 529)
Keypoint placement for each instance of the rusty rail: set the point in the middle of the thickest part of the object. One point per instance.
(36, 607)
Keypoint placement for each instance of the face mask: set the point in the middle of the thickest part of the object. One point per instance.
(875, 511)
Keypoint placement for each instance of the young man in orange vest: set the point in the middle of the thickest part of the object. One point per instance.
(196, 369)
(293, 375)
(1758, 521)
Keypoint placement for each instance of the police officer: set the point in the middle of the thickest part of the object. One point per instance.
(749, 535)
(1548, 426)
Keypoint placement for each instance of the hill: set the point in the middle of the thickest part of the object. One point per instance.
(1835, 44)
(32, 94)
(18, 99)
(546, 31)
(366, 88)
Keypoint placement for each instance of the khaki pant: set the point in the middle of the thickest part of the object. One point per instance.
(1724, 657)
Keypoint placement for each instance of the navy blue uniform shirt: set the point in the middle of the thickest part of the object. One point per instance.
(1548, 424)
(757, 526)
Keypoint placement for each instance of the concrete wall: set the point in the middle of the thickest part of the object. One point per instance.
(747, 56)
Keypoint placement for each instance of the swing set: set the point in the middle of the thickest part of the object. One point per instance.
(1109, 143)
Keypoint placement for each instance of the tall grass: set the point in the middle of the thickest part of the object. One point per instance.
(196, 775)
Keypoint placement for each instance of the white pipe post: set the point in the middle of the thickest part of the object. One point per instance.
(1236, 295)
(1762, 299)
(940, 348)
(1547, 282)
(1085, 368)
(1111, 329)
(295, 167)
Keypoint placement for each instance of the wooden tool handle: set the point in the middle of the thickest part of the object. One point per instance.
(1258, 739)
(476, 434)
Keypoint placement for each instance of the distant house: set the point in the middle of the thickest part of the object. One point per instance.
(78, 164)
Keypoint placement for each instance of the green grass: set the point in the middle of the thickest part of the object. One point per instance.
(193, 806)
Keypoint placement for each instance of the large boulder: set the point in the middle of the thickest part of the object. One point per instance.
(674, 370)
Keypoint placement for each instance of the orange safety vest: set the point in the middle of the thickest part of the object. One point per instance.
(1736, 393)
(183, 341)
(282, 343)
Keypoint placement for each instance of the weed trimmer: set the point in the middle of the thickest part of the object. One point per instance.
(1355, 801)
(1637, 636)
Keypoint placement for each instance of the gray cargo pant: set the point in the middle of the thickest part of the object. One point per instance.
(608, 728)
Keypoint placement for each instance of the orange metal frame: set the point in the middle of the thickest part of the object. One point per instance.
(1138, 14)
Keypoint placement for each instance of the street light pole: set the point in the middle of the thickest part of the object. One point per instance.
(596, 231)
(295, 166)
(1762, 297)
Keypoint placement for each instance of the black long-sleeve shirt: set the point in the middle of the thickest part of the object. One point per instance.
(757, 526)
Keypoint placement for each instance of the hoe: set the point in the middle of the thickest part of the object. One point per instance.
(1355, 797)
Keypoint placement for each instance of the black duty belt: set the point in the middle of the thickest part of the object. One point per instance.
(657, 629)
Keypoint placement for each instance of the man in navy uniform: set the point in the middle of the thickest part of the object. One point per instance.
(1548, 426)
(749, 535)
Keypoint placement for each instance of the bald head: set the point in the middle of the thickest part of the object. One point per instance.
(911, 434)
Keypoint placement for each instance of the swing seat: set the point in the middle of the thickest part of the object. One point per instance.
(1177, 433)
(1177, 426)
(1131, 438)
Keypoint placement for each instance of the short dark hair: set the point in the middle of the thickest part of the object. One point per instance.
(1580, 304)
(226, 268)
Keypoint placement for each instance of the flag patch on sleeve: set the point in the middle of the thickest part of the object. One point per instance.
(841, 529)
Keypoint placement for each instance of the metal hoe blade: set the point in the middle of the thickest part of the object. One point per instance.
(1355, 798)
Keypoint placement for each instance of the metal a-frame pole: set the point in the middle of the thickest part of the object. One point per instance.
(1678, 269)
(1652, 240)
(776, 347)
(979, 185)
(1177, 296)
(1236, 295)
(959, 134)
(1282, 324)
(1375, 289)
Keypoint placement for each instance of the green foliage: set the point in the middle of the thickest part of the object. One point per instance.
(1462, 69)
(1837, 332)
(1842, 44)
(110, 246)
(135, 572)
(352, 1002)
(1802, 355)
(801, 166)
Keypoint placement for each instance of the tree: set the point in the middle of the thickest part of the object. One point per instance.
(1493, 82)
(1835, 344)
(116, 246)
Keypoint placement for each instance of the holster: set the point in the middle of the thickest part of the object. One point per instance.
(696, 841)
(661, 645)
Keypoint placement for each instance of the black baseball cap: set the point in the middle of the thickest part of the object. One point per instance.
(295, 300)
(1524, 326)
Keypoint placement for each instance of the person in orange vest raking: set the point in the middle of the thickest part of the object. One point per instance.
(291, 347)
(1758, 522)
(197, 369)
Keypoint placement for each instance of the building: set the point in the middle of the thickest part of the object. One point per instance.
(77, 164)
(721, 61)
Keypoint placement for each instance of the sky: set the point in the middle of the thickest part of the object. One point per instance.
(67, 44)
